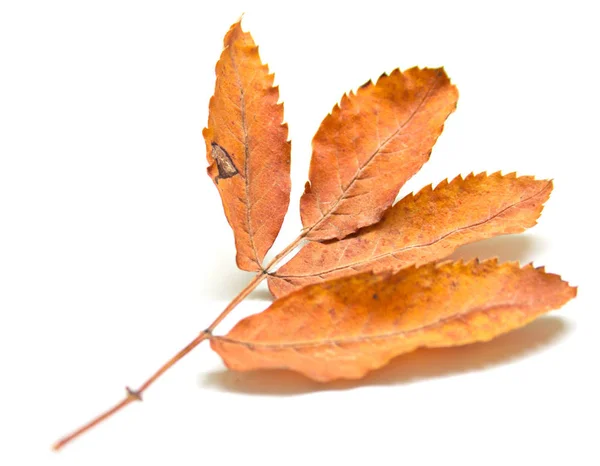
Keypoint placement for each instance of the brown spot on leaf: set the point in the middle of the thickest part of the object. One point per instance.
(225, 164)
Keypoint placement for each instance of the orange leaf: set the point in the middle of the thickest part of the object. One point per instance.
(421, 228)
(369, 146)
(247, 148)
(346, 327)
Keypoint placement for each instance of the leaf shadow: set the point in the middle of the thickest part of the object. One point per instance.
(522, 248)
(261, 294)
(423, 364)
(228, 280)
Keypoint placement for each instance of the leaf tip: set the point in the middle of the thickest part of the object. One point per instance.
(236, 32)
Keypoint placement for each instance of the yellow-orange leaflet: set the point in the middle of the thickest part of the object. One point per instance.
(247, 148)
(369, 146)
(346, 327)
(421, 228)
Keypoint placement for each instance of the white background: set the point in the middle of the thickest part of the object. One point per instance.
(115, 252)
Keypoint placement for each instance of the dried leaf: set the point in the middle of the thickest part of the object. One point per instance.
(421, 228)
(362, 305)
(247, 148)
(346, 327)
(369, 146)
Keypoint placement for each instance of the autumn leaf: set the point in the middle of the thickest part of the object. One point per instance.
(369, 146)
(247, 148)
(421, 228)
(346, 327)
(363, 289)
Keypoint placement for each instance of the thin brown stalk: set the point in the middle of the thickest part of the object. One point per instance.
(136, 395)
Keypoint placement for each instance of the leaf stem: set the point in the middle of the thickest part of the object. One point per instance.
(259, 277)
(136, 395)
(289, 248)
(132, 395)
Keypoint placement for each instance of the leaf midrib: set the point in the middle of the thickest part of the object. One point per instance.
(417, 246)
(247, 203)
(363, 338)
